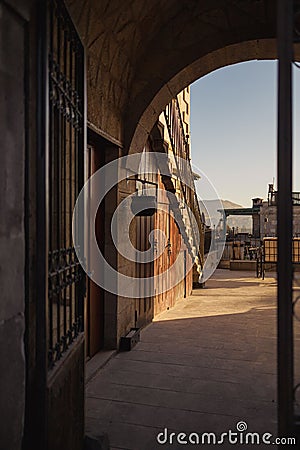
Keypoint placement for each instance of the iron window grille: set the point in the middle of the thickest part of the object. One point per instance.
(65, 178)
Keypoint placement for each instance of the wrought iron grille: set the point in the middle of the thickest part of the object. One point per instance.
(65, 174)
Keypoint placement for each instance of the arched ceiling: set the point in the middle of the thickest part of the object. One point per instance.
(141, 53)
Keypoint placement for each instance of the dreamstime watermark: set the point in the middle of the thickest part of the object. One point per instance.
(239, 436)
(91, 258)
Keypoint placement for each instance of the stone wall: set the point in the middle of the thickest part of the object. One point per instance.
(13, 36)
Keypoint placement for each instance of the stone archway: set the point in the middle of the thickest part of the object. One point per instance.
(140, 54)
(139, 129)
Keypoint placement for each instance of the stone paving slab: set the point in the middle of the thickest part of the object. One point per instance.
(203, 366)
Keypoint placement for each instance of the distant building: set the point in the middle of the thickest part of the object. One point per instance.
(268, 214)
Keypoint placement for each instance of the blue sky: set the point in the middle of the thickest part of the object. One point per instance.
(233, 129)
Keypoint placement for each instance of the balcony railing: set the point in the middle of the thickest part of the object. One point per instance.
(180, 150)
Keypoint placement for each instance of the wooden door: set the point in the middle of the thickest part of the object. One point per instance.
(95, 295)
(144, 305)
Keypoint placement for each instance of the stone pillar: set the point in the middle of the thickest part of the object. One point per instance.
(256, 205)
(256, 225)
(224, 225)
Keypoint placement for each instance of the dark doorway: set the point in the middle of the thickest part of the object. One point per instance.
(94, 310)
(144, 305)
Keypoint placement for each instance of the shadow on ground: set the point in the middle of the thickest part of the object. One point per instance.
(193, 373)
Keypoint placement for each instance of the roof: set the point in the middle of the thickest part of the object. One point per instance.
(239, 211)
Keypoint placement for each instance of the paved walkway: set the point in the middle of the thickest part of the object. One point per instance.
(203, 366)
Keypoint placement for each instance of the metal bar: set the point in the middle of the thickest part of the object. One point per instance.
(81, 151)
(40, 437)
(58, 198)
(64, 161)
(70, 196)
(284, 218)
(76, 185)
(29, 404)
(51, 196)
